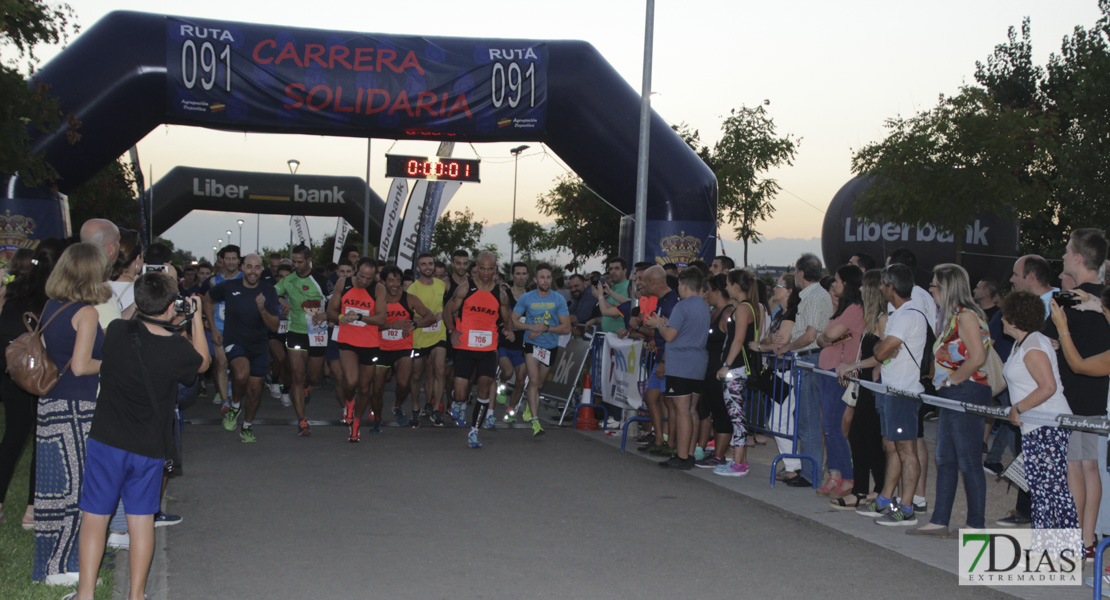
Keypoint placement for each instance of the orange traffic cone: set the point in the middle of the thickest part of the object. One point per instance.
(586, 417)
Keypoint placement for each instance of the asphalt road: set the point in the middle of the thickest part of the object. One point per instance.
(416, 514)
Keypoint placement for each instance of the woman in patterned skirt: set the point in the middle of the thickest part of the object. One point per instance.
(73, 340)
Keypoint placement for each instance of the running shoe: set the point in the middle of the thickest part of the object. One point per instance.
(491, 421)
(286, 401)
(231, 418)
(352, 431)
(302, 428)
(402, 418)
(472, 440)
(426, 413)
(275, 390)
(437, 419)
(897, 517)
(414, 422)
(536, 428)
(377, 427)
(709, 462)
(246, 435)
(162, 519)
(699, 453)
(458, 413)
(202, 390)
(527, 413)
(224, 408)
(732, 469)
(873, 508)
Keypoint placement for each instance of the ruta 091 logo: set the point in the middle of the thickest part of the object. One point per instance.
(1021, 557)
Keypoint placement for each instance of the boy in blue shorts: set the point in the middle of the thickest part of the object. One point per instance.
(132, 428)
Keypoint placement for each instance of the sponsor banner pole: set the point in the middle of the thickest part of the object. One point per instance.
(408, 235)
(342, 228)
(299, 230)
(395, 201)
(431, 205)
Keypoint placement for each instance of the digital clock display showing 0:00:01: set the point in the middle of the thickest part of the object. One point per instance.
(440, 168)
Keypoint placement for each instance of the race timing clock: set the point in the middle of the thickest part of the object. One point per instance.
(437, 168)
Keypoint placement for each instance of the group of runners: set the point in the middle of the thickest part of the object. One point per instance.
(447, 334)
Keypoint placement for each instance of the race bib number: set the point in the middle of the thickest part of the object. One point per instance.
(335, 333)
(393, 335)
(283, 326)
(480, 339)
(221, 311)
(432, 328)
(357, 311)
(318, 339)
(542, 354)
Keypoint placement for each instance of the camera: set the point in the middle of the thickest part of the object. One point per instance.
(154, 269)
(182, 306)
(1065, 299)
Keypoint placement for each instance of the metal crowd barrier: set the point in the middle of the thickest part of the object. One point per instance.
(762, 410)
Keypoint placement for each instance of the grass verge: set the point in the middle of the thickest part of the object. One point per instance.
(17, 546)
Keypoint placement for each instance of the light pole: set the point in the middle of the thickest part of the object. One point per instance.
(240, 221)
(214, 250)
(229, 236)
(294, 164)
(516, 159)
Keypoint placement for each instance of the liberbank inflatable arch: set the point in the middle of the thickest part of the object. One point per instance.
(132, 71)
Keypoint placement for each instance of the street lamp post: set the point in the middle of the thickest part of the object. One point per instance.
(516, 159)
(240, 221)
(214, 250)
(294, 164)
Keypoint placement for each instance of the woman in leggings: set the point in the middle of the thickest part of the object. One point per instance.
(712, 397)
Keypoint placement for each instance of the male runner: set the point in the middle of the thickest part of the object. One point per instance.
(401, 320)
(229, 261)
(358, 306)
(307, 339)
(544, 315)
(471, 319)
(460, 267)
(279, 366)
(270, 274)
(429, 344)
(252, 310)
(344, 270)
(510, 350)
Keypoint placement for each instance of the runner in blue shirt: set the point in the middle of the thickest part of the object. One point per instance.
(545, 318)
(252, 312)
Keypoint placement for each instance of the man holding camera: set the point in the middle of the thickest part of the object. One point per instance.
(132, 429)
(252, 312)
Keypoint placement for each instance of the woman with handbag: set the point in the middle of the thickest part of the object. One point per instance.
(25, 294)
(864, 435)
(739, 364)
(960, 374)
(840, 342)
(73, 339)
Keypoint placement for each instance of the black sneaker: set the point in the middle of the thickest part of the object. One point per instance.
(797, 481)
(682, 464)
(1013, 519)
(994, 469)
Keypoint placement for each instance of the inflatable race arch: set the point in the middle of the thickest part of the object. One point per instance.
(132, 71)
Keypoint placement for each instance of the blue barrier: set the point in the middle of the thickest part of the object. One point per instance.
(759, 407)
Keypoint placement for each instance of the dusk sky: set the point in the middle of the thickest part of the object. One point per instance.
(833, 72)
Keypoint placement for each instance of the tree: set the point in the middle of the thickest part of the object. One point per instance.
(585, 225)
(27, 105)
(748, 148)
(944, 166)
(529, 238)
(181, 257)
(454, 232)
(110, 194)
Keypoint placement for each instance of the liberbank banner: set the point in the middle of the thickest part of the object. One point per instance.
(185, 189)
(263, 77)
